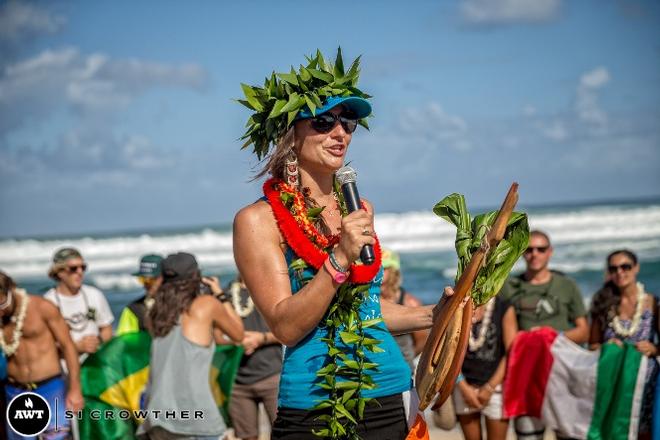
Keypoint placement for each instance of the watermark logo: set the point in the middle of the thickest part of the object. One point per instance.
(28, 414)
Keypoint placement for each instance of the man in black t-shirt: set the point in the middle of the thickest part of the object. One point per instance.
(258, 377)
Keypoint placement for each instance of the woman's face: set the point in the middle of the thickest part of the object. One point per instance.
(622, 270)
(322, 152)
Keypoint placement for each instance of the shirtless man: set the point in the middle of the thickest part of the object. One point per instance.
(32, 329)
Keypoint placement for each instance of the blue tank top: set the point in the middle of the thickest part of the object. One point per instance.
(298, 383)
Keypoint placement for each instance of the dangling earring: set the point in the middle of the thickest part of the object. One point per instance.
(291, 169)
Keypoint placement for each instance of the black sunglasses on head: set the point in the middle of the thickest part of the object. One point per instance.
(325, 122)
(626, 267)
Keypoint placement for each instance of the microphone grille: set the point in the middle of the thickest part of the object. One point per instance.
(346, 175)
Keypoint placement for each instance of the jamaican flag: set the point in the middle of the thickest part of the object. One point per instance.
(115, 377)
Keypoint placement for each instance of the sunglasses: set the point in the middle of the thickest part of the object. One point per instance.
(626, 267)
(325, 122)
(74, 269)
(539, 249)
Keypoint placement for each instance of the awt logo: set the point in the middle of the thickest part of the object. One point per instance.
(28, 414)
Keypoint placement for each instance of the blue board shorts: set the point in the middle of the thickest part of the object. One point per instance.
(54, 391)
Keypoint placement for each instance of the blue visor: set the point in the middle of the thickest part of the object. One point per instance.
(357, 105)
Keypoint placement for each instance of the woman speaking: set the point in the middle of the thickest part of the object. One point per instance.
(298, 249)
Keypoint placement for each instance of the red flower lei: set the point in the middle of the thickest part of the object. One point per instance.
(305, 240)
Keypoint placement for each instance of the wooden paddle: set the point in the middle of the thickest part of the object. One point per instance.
(443, 354)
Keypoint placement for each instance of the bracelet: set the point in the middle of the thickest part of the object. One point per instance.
(222, 297)
(489, 387)
(459, 378)
(335, 264)
(265, 341)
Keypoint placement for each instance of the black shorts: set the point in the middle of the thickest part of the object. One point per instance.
(386, 421)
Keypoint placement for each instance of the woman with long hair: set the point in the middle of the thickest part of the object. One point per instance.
(185, 325)
(298, 250)
(622, 311)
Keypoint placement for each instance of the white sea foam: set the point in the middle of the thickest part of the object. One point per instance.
(581, 236)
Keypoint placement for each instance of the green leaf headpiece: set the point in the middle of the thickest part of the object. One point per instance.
(285, 95)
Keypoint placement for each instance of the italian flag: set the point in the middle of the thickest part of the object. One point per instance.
(578, 393)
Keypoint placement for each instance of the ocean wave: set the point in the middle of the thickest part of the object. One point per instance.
(581, 237)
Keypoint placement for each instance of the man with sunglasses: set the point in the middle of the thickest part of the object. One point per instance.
(544, 298)
(84, 308)
(150, 275)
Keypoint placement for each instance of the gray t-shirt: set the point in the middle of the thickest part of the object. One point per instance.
(179, 381)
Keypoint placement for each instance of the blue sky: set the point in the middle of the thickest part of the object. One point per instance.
(119, 115)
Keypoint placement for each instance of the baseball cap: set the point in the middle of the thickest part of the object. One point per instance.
(64, 254)
(355, 104)
(150, 266)
(179, 266)
(60, 257)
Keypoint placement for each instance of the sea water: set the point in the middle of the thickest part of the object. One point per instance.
(582, 236)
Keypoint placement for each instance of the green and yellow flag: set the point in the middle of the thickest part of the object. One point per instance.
(115, 377)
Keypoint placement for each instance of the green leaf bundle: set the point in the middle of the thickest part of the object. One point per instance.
(470, 233)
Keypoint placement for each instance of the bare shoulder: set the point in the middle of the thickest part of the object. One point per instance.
(203, 304)
(256, 218)
(255, 212)
(45, 307)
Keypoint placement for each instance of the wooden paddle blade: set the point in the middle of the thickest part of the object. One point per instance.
(428, 386)
(448, 385)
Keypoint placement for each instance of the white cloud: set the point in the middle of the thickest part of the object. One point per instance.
(587, 106)
(595, 78)
(37, 87)
(19, 20)
(503, 12)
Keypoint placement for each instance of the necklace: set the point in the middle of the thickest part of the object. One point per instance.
(476, 344)
(616, 324)
(18, 329)
(301, 235)
(235, 290)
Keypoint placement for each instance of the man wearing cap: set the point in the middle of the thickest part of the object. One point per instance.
(84, 308)
(133, 316)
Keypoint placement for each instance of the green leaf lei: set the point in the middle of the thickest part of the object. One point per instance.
(469, 235)
(283, 95)
(344, 377)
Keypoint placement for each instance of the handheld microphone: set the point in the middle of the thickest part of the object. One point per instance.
(346, 176)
